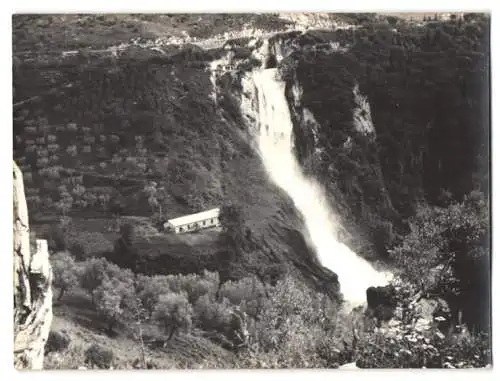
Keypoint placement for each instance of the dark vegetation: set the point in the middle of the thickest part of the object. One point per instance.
(99, 357)
(433, 81)
(428, 90)
(110, 147)
(91, 147)
(57, 342)
(246, 323)
(99, 31)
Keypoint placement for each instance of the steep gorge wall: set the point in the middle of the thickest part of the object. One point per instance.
(427, 104)
(32, 287)
(336, 142)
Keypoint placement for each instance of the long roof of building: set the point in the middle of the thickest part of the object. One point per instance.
(191, 218)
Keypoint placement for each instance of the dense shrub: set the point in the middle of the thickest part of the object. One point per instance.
(193, 285)
(423, 350)
(149, 289)
(211, 315)
(125, 250)
(115, 299)
(56, 238)
(57, 341)
(65, 272)
(447, 252)
(83, 244)
(99, 356)
(249, 293)
(290, 327)
(173, 312)
(95, 270)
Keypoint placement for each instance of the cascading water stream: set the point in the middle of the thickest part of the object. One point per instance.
(267, 102)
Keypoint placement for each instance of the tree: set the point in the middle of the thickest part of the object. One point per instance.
(103, 200)
(161, 195)
(72, 150)
(95, 271)
(64, 271)
(34, 202)
(65, 203)
(79, 190)
(292, 323)
(125, 254)
(99, 356)
(156, 197)
(173, 312)
(28, 177)
(138, 314)
(392, 20)
(116, 207)
(90, 198)
(149, 290)
(56, 238)
(447, 252)
(115, 298)
(232, 241)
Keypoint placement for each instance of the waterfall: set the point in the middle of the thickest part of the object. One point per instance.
(264, 98)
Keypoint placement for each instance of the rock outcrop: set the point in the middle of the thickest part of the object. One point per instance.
(32, 286)
(381, 301)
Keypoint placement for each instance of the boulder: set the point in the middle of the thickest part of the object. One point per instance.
(381, 302)
(432, 312)
(376, 296)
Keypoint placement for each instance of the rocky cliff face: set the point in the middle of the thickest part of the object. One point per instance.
(32, 287)
(305, 20)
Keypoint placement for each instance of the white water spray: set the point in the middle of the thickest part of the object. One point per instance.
(267, 102)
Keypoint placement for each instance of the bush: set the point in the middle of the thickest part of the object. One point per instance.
(95, 270)
(56, 239)
(194, 285)
(210, 315)
(446, 252)
(98, 356)
(149, 289)
(125, 250)
(57, 341)
(115, 299)
(84, 244)
(65, 273)
(150, 364)
(290, 326)
(416, 350)
(249, 293)
(173, 312)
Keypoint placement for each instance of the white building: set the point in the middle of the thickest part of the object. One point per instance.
(193, 222)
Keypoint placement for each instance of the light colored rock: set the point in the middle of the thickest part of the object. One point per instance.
(362, 114)
(32, 287)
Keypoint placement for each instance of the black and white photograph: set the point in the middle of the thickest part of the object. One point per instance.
(259, 190)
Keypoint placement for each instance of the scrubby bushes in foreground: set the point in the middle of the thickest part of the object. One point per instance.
(290, 326)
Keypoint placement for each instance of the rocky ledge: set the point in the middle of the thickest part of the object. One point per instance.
(32, 286)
